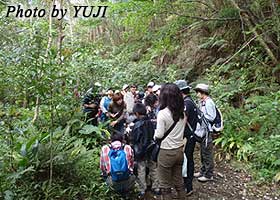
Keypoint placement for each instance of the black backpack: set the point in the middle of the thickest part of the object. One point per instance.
(142, 137)
(218, 123)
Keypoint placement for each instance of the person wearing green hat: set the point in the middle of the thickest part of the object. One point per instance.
(191, 113)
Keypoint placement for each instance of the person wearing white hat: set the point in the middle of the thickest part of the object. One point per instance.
(150, 86)
(124, 89)
(208, 108)
(156, 89)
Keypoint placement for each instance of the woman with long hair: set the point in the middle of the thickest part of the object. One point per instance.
(170, 158)
(116, 113)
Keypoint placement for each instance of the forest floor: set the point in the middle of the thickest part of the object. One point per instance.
(231, 181)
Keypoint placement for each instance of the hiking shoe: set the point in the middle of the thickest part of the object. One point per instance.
(141, 195)
(197, 175)
(205, 179)
(156, 192)
(189, 193)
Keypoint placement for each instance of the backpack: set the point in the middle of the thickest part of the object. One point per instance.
(142, 134)
(218, 123)
(118, 164)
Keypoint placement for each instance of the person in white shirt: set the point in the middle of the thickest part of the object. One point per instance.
(170, 158)
(208, 108)
(150, 86)
(129, 99)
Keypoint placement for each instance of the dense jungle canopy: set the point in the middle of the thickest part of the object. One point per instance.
(47, 151)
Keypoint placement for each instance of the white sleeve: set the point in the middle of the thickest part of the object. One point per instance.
(210, 110)
(159, 132)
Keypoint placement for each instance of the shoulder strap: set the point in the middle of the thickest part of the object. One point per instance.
(168, 131)
(122, 146)
(198, 109)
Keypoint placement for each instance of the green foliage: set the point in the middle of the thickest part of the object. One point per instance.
(27, 153)
(251, 128)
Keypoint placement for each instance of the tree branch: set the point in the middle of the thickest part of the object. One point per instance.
(236, 53)
(261, 40)
(201, 2)
(205, 18)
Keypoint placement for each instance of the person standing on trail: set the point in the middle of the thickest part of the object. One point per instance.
(124, 184)
(192, 119)
(170, 158)
(104, 105)
(156, 90)
(140, 97)
(142, 137)
(124, 89)
(151, 103)
(208, 109)
(129, 98)
(150, 86)
(91, 105)
(116, 113)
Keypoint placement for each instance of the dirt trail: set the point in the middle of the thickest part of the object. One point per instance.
(231, 182)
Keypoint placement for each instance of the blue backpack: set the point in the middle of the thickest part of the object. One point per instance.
(119, 164)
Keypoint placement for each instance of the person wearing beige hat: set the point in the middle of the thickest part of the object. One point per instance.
(203, 131)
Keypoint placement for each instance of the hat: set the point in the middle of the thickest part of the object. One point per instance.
(156, 88)
(133, 86)
(151, 84)
(125, 86)
(97, 84)
(141, 95)
(182, 84)
(202, 87)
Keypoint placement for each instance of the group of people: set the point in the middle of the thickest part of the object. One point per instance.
(137, 119)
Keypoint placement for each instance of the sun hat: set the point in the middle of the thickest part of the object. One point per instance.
(202, 87)
(151, 84)
(182, 84)
(125, 86)
(156, 88)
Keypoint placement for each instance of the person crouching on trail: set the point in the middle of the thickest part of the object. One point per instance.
(116, 113)
(142, 137)
(116, 164)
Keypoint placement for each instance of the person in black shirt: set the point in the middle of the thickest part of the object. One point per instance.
(91, 106)
(192, 119)
(151, 103)
(142, 138)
